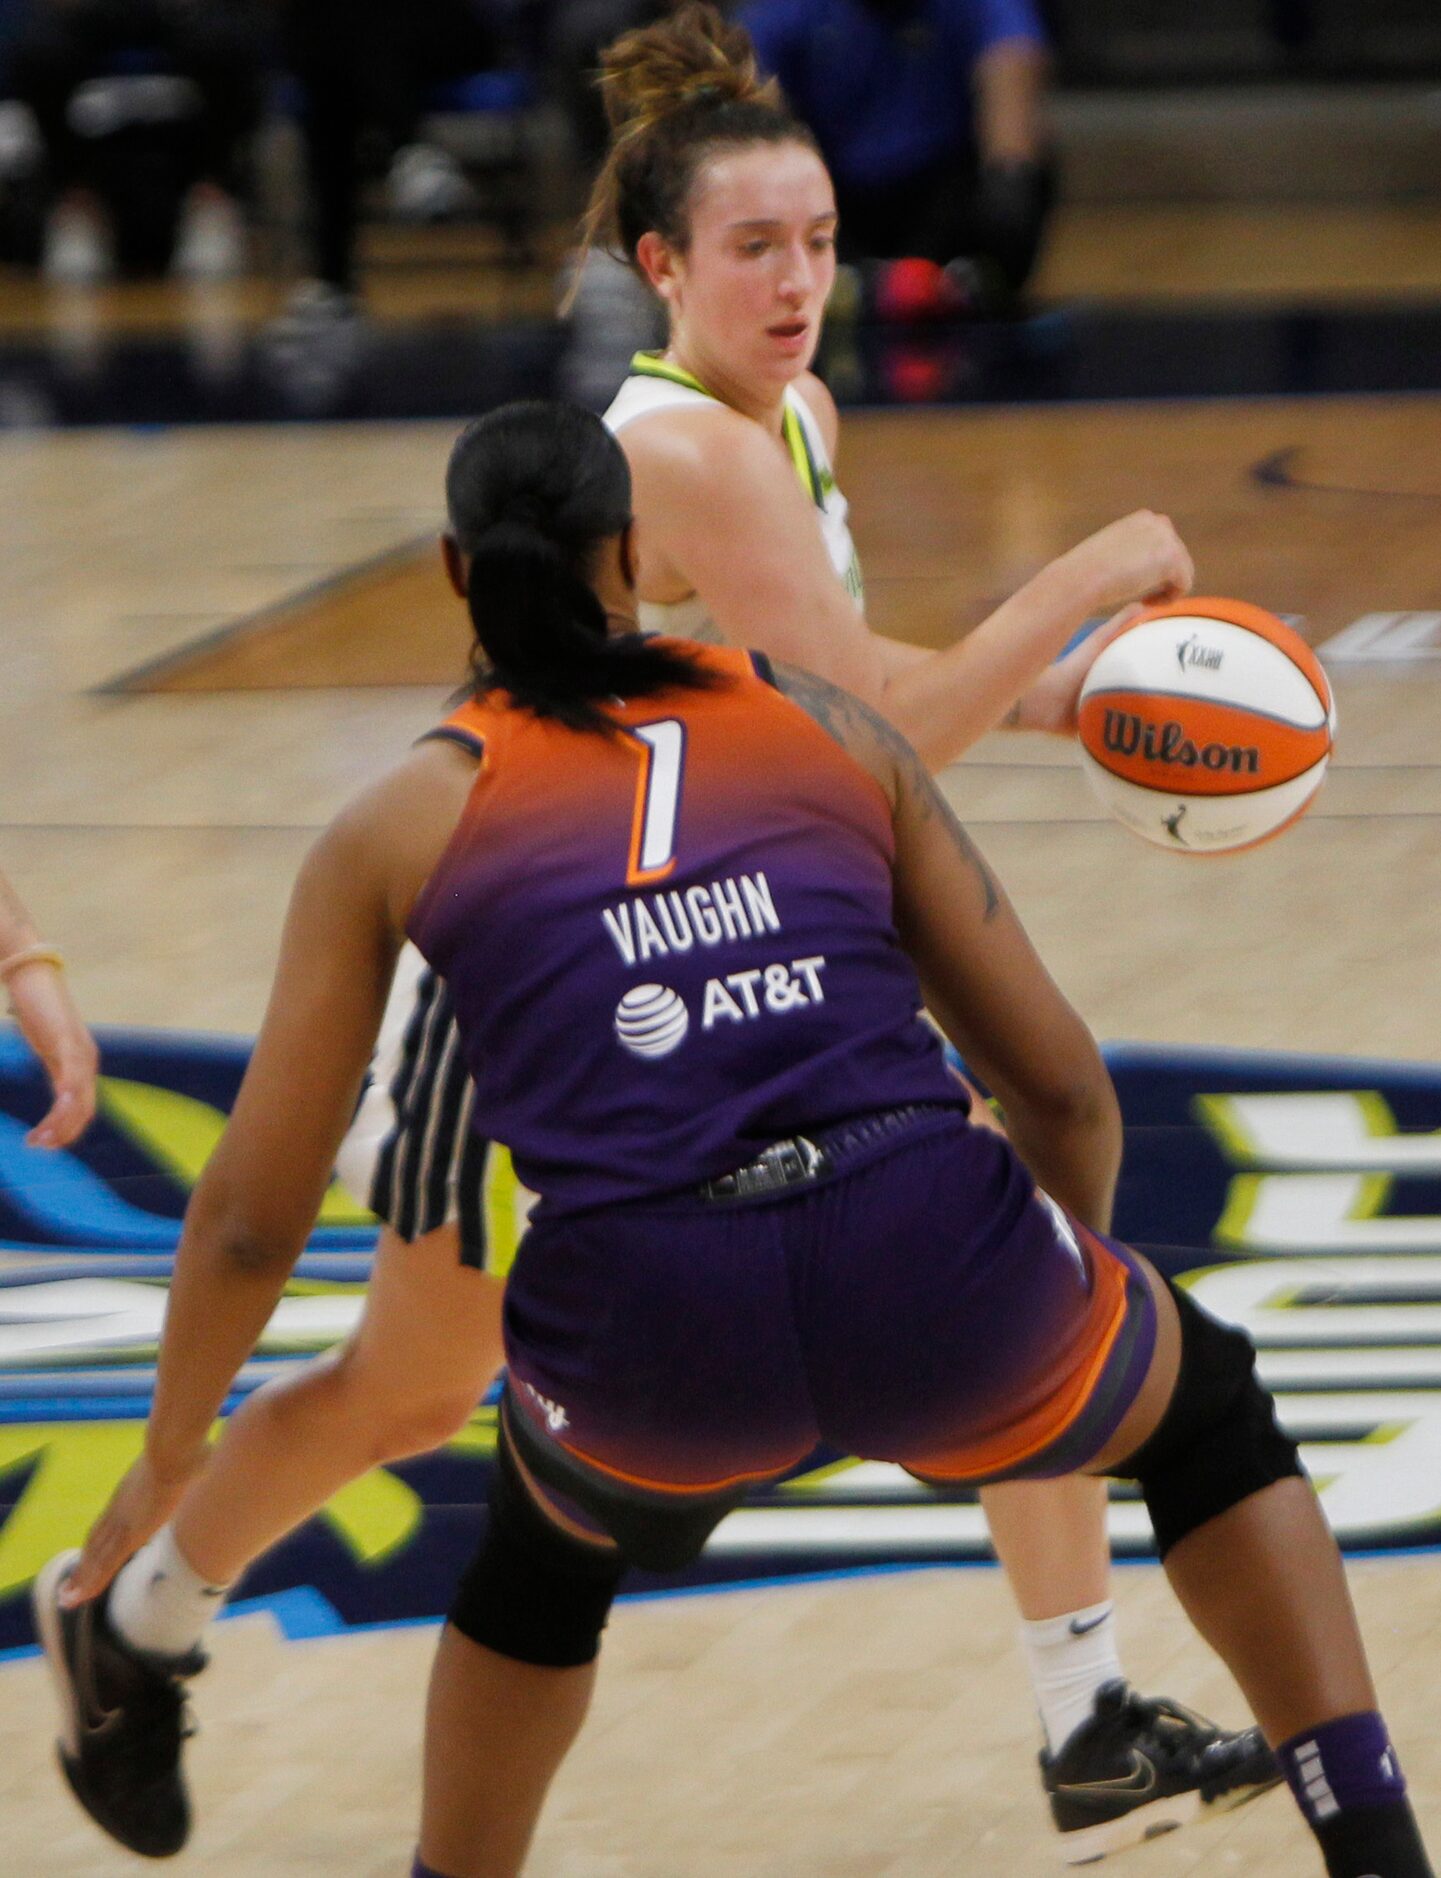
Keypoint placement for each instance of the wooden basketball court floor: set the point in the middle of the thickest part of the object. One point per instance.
(845, 1729)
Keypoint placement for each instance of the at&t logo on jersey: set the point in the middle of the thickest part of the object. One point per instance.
(651, 1020)
(740, 996)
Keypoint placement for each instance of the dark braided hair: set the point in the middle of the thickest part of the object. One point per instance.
(532, 490)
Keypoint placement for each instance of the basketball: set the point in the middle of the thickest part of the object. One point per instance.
(1206, 726)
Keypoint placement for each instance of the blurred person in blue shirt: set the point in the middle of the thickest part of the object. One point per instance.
(931, 117)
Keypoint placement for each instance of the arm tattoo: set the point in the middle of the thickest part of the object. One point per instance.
(855, 726)
(968, 852)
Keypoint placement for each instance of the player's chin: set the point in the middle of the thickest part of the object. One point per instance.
(785, 355)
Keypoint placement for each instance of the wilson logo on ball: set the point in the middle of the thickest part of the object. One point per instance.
(1126, 734)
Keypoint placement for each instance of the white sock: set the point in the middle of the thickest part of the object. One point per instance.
(159, 1603)
(1070, 1658)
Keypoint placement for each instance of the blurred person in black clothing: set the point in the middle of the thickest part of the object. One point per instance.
(576, 32)
(145, 109)
(365, 68)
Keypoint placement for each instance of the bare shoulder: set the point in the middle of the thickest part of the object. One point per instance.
(822, 407)
(703, 476)
(434, 775)
(689, 441)
(387, 840)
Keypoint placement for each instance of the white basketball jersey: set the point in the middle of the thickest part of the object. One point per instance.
(657, 385)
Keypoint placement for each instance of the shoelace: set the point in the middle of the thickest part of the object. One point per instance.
(1174, 1730)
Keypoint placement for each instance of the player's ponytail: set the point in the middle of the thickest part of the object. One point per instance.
(533, 490)
(674, 92)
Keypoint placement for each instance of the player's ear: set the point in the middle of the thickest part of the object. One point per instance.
(629, 563)
(457, 572)
(656, 262)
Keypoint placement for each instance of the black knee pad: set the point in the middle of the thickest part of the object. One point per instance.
(532, 1592)
(1219, 1441)
(665, 1538)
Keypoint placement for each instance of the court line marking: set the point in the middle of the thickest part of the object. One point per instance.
(298, 1617)
(304, 1612)
(1405, 638)
(1276, 471)
(147, 675)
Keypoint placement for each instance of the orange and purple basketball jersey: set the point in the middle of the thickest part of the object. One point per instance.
(672, 946)
(670, 950)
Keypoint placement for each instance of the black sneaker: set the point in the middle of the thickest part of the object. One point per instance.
(123, 1720)
(1142, 1766)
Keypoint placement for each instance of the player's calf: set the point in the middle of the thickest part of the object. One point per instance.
(1217, 1445)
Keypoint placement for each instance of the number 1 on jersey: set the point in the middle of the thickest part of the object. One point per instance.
(657, 801)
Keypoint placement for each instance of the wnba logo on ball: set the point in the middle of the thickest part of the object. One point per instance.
(1126, 734)
(651, 1020)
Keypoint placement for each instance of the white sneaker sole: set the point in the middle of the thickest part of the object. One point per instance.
(1093, 1843)
(47, 1627)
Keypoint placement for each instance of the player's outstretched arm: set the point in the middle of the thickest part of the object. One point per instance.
(989, 991)
(258, 1195)
(724, 513)
(255, 1202)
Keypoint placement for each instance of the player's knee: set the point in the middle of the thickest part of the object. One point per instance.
(666, 1539)
(1218, 1441)
(407, 1428)
(392, 1416)
(532, 1592)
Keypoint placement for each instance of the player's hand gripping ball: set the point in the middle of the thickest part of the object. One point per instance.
(1206, 726)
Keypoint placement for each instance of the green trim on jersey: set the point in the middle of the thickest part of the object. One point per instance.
(799, 445)
(652, 365)
(813, 479)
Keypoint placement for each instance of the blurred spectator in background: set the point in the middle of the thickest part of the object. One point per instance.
(144, 111)
(22, 157)
(931, 117)
(576, 32)
(364, 70)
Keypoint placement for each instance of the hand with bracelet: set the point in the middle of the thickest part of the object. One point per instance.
(33, 976)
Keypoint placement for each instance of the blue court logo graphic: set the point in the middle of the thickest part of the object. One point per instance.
(1298, 1197)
